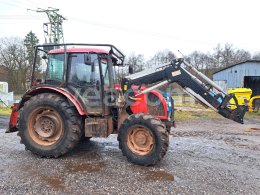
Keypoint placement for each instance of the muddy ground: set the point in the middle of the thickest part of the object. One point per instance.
(213, 156)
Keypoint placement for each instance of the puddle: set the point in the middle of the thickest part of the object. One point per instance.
(255, 129)
(86, 155)
(86, 167)
(252, 129)
(159, 175)
(54, 182)
(190, 133)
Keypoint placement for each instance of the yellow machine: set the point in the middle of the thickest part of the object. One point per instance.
(243, 96)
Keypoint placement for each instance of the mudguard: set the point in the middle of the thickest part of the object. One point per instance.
(42, 89)
(141, 104)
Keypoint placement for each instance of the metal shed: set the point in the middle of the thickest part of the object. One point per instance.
(244, 74)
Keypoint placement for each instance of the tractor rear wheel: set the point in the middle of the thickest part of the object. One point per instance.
(48, 125)
(143, 139)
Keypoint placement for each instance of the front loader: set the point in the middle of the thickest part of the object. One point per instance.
(73, 94)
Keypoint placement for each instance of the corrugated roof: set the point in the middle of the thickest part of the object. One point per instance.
(258, 61)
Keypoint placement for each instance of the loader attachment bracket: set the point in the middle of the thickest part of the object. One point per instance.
(236, 115)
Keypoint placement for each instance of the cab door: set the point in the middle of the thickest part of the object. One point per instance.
(84, 80)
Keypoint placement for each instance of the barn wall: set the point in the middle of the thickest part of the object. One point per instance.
(234, 76)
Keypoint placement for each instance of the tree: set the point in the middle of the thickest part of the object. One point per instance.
(256, 56)
(201, 61)
(241, 56)
(222, 56)
(197, 59)
(137, 61)
(161, 57)
(30, 41)
(228, 55)
(13, 57)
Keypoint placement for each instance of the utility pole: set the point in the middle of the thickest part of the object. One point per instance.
(53, 32)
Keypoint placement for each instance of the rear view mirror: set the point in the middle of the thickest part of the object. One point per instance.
(44, 57)
(87, 59)
(131, 69)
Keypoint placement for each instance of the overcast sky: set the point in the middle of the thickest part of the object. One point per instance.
(142, 26)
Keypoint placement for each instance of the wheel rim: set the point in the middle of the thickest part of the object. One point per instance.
(140, 140)
(45, 126)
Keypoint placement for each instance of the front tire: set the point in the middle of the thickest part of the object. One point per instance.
(143, 139)
(48, 125)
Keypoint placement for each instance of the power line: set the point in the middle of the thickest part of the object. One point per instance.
(36, 3)
(126, 29)
(13, 4)
(19, 17)
(158, 35)
(25, 4)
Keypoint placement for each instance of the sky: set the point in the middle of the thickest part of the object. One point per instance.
(142, 26)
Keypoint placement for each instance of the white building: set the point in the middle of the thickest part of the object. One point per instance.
(6, 98)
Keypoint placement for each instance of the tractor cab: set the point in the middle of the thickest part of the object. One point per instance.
(85, 70)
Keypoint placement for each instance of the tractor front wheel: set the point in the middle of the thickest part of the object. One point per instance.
(143, 139)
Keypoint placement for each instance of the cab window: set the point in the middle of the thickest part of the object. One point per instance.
(105, 72)
(82, 74)
(55, 69)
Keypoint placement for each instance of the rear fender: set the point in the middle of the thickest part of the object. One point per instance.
(38, 90)
(63, 92)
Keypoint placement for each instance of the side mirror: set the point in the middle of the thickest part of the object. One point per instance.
(44, 57)
(87, 59)
(131, 69)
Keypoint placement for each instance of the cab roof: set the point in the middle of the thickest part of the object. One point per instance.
(78, 50)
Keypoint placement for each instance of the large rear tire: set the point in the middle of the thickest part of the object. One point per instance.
(143, 139)
(49, 126)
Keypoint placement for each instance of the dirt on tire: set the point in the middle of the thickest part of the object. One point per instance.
(33, 138)
(156, 129)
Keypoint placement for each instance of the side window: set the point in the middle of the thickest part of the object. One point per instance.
(80, 73)
(55, 67)
(105, 72)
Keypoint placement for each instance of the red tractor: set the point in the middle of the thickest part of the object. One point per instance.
(73, 94)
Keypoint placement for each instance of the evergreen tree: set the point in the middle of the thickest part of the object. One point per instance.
(29, 42)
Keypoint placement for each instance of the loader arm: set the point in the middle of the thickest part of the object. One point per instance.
(193, 82)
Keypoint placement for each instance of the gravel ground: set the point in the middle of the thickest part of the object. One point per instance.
(204, 157)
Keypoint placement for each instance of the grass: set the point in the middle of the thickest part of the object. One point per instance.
(195, 115)
(253, 115)
(5, 111)
(202, 113)
(189, 104)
